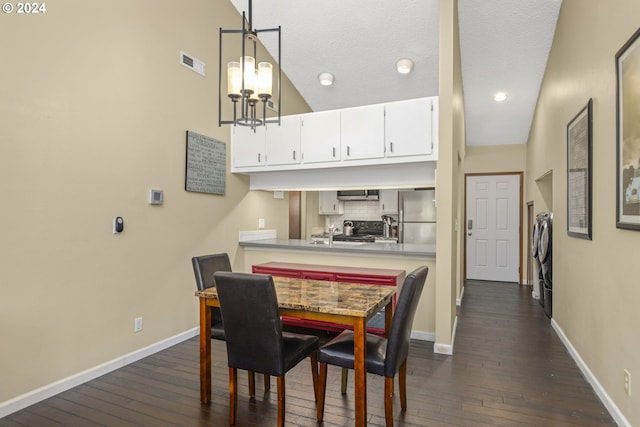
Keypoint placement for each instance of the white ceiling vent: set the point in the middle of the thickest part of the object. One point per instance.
(192, 63)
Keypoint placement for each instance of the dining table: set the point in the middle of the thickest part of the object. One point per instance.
(348, 304)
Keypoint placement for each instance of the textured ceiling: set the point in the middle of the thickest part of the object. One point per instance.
(504, 45)
(504, 48)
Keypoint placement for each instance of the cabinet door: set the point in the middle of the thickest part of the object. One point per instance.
(408, 128)
(321, 136)
(362, 133)
(329, 204)
(389, 201)
(318, 275)
(283, 142)
(248, 147)
(276, 272)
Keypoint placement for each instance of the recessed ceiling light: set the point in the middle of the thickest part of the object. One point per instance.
(500, 97)
(326, 79)
(404, 65)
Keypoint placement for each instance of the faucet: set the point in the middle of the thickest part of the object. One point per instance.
(332, 229)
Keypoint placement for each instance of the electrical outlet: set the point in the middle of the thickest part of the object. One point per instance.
(627, 382)
(137, 324)
(261, 223)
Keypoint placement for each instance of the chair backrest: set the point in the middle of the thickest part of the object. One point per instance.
(252, 326)
(400, 332)
(203, 268)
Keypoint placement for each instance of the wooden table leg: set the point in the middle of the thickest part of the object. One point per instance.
(360, 374)
(205, 352)
(388, 316)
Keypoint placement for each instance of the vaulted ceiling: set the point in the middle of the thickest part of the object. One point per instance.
(504, 48)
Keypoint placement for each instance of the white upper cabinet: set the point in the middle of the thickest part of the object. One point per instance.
(283, 142)
(389, 201)
(321, 136)
(409, 127)
(329, 204)
(362, 132)
(248, 147)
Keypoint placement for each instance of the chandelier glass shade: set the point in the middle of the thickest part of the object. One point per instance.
(249, 82)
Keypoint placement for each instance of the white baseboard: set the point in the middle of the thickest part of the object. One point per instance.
(423, 336)
(20, 402)
(618, 417)
(459, 300)
(447, 348)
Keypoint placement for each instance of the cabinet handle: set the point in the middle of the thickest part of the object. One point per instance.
(334, 151)
(258, 157)
(294, 154)
(391, 146)
(348, 151)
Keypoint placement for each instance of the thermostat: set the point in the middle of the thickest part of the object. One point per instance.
(156, 197)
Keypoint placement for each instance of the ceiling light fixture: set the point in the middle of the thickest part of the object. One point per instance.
(326, 79)
(248, 81)
(404, 65)
(500, 97)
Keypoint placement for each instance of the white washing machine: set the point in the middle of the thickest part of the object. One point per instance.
(545, 256)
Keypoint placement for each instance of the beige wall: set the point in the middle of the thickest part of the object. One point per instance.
(448, 175)
(496, 158)
(595, 283)
(94, 108)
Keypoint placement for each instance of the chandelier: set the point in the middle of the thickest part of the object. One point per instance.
(249, 82)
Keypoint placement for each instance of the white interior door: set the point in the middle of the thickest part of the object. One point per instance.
(493, 227)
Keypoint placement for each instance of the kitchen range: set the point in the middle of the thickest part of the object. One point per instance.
(359, 231)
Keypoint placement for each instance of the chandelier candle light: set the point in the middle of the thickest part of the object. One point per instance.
(247, 84)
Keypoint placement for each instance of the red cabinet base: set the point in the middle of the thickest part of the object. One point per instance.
(369, 276)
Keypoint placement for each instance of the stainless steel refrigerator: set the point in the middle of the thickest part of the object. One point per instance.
(417, 216)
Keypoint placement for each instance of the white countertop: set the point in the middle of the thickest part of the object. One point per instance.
(408, 249)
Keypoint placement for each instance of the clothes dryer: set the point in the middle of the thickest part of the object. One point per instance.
(538, 280)
(545, 255)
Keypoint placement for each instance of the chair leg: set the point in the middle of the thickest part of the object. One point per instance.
(252, 384)
(233, 394)
(343, 385)
(322, 389)
(267, 382)
(402, 379)
(314, 373)
(281, 401)
(388, 401)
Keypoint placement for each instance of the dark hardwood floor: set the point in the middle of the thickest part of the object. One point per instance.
(509, 369)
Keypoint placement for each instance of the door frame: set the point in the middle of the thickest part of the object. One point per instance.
(464, 223)
(530, 218)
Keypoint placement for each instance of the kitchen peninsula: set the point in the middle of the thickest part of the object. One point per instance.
(395, 256)
(343, 248)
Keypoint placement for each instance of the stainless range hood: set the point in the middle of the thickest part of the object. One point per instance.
(358, 195)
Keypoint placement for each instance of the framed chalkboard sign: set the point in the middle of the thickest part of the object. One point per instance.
(206, 164)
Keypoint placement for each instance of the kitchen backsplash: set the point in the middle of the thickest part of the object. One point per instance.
(356, 211)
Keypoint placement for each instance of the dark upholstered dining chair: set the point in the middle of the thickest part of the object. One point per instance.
(203, 268)
(255, 341)
(385, 356)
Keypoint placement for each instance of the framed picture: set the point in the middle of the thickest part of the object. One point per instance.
(628, 134)
(579, 173)
(205, 171)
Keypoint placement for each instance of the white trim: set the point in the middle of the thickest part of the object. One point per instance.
(423, 336)
(27, 399)
(459, 300)
(615, 412)
(447, 348)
